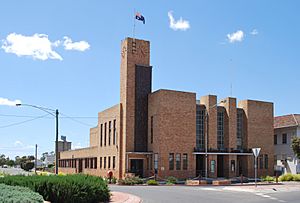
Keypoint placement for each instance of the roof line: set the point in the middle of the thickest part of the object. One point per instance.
(295, 119)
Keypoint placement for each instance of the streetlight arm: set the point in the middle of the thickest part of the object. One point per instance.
(47, 110)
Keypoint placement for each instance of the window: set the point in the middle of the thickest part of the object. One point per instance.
(100, 162)
(114, 133)
(275, 139)
(151, 133)
(105, 134)
(200, 127)
(109, 162)
(266, 161)
(284, 138)
(86, 162)
(212, 166)
(95, 162)
(92, 162)
(261, 162)
(156, 161)
(178, 162)
(114, 162)
(101, 134)
(239, 129)
(171, 161)
(220, 130)
(109, 132)
(184, 161)
(104, 163)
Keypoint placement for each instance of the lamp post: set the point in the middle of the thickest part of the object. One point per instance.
(54, 113)
(206, 138)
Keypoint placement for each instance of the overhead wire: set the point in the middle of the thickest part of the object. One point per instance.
(26, 121)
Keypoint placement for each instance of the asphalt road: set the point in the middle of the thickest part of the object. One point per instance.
(203, 194)
(14, 171)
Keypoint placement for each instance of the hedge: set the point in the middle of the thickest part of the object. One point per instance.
(64, 189)
(17, 194)
(289, 177)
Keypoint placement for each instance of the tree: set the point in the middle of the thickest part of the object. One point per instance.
(296, 146)
(2, 160)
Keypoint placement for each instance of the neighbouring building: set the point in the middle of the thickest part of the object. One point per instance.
(164, 132)
(286, 127)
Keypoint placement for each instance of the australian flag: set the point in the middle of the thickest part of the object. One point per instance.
(138, 16)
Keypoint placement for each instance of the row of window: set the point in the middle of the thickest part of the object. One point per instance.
(72, 163)
(111, 136)
(283, 139)
(177, 162)
(108, 162)
(263, 161)
(200, 121)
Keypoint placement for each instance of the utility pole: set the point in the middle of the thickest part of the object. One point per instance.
(56, 143)
(35, 162)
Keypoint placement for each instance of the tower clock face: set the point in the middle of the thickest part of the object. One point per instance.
(124, 50)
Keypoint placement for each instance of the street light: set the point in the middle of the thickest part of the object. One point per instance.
(55, 114)
(206, 138)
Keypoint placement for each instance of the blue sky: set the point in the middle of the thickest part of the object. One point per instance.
(75, 67)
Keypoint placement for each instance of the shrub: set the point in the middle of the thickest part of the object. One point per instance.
(130, 181)
(64, 189)
(27, 166)
(152, 182)
(296, 177)
(114, 180)
(171, 180)
(286, 177)
(16, 194)
(268, 178)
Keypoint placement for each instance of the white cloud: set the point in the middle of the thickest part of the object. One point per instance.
(78, 46)
(237, 36)
(179, 24)
(37, 46)
(254, 32)
(18, 144)
(7, 102)
(77, 146)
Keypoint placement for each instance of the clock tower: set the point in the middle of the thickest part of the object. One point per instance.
(135, 85)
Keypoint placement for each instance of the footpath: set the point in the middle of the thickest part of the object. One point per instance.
(120, 197)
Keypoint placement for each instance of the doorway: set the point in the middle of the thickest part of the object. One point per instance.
(136, 167)
(80, 166)
(220, 166)
(200, 165)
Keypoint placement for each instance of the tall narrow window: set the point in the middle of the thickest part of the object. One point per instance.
(92, 162)
(109, 162)
(101, 162)
(171, 161)
(114, 162)
(109, 132)
(284, 138)
(101, 134)
(266, 161)
(151, 133)
(200, 127)
(239, 129)
(178, 162)
(95, 162)
(184, 161)
(155, 161)
(261, 161)
(220, 130)
(104, 163)
(114, 133)
(275, 139)
(105, 125)
(212, 166)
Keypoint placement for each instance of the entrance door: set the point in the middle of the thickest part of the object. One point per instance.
(220, 166)
(80, 166)
(136, 167)
(200, 165)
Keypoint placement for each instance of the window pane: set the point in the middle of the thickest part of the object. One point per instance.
(171, 161)
(185, 161)
(178, 162)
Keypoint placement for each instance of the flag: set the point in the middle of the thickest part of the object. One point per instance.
(138, 16)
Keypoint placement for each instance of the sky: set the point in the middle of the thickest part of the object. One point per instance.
(65, 55)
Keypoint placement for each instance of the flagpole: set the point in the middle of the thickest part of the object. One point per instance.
(133, 24)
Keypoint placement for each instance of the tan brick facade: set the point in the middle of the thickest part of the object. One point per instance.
(161, 132)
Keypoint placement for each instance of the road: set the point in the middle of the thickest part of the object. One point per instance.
(209, 194)
(14, 171)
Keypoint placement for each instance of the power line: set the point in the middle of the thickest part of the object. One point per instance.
(73, 119)
(19, 123)
(18, 116)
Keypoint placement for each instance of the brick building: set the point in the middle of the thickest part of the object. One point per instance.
(165, 131)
